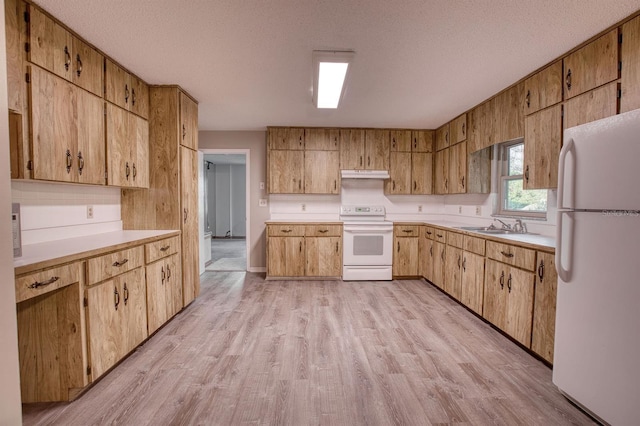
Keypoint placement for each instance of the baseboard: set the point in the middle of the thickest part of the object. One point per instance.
(258, 269)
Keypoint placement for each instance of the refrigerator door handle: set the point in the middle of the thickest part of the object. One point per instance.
(564, 251)
(567, 147)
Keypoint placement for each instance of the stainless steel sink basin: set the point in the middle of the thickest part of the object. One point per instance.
(491, 230)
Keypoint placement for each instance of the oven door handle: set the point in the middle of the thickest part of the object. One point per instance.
(366, 230)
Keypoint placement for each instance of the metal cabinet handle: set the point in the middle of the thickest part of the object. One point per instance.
(394, 184)
(286, 231)
(69, 161)
(446, 184)
(415, 185)
(442, 255)
(398, 246)
(185, 215)
(446, 138)
(464, 264)
(462, 182)
(509, 283)
(116, 298)
(79, 65)
(135, 171)
(323, 231)
(126, 170)
(393, 142)
(459, 262)
(337, 247)
(429, 232)
(133, 96)
(439, 235)
(184, 131)
(368, 160)
(300, 246)
(506, 254)
(38, 284)
(67, 58)
(528, 98)
(126, 93)
(415, 143)
(526, 173)
(464, 129)
(335, 185)
(119, 263)
(163, 275)
(165, 248)
(568, 79)
(80, 162)
(541, 270)
(361, 160)
(502, 280)
(168, 272)
(431, 251)
(125, 292)
(407, 231)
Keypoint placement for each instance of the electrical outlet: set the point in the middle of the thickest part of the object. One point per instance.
(89, 212)
(459, 209)
(419, 209)
(478, 211)
(262, 202)
(304, 207)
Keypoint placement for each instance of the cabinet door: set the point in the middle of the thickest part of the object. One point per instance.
(377, 149)
(630, 74)
(509, 114)
(88, 67)
(352, 149)
(138, 131)
(422, 173)
(117, 85)
(173, 286)
(425, 250)
(458, 129)
(321, 172)
(156, 295)
(442, 137)
(286, 257)
(400, 173)
(458, 168)
(439, 259)
(542, 143)
(286, 172)
(544, 307)
(140, 99)
(316, 139)
(495, 293)
(50, 45)
(189, 122)
(422, 141)
(400, 140)
(190, 249)
(104, 307)
(90, 156)
(591, 66)
(134, 310)
(119, 147)
(543, 89)
(481, 126)
(453, 272)
(591, 106)
(442, 172)
(519, 312)
(323, 256)
(405, 256)
(54, 127)
(286, 138)
(472, 291)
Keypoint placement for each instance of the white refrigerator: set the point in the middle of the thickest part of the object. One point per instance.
(597, 340)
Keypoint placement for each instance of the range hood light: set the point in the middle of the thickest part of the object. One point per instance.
(365, 174)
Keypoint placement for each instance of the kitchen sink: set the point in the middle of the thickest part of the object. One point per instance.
(492, 230)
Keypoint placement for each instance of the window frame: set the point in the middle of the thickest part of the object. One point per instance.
(503, 177)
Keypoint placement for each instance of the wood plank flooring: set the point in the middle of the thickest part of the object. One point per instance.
(256, 352)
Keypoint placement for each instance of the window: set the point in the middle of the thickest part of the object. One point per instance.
(514, 200)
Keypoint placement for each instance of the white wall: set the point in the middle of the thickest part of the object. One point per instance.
(238, 200)
(10, 404)
(222, 200)
(201, 224)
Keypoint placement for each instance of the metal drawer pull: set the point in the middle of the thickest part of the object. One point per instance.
(119, 263)
(541, 270)
(116, 297)
(80, 162)
(286, 231)
(429, 232)
(163, 275)
(168, 272)
(126, 170)
(38, 284)
(79, 63)
(69, 161)
(509, 283)
(67, 58)
(165, 248)
(323, 231)
(126, 294)
(133, 96)
(126, 93)
(439, 235)
(408, 231)
(502, 280)
(464, 264)
(507, 254)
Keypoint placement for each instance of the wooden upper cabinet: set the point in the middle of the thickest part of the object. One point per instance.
(55, 49)
(322, 139)
(126, 90)
(422, 173)
(542, 143)
(376, 149)
(509, 114)
(630, 74)
(592, 105)
(592, 65)
(458, 129)
(400, 140)
(399, 181)
(422, 141)
(458, 168)
(321, 172)
(189, 121)
(481, 127)
(286, 171)
(127, 148)
(441, 172)
(442, 137)
(352, 149)
(543, 89)
(291, 138)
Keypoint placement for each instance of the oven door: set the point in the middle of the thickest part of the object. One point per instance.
(367, 245)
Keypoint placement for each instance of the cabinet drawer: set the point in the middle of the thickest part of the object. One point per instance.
(455, 239)
(37, 283)
(429, 232)
(285, 230)
(406, 230)
(112, 264)
(323, 231)
(159, 249)
(512, 255)
(439, 235)
(474, 244)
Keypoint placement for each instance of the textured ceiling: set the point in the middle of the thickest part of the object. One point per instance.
(418, 63)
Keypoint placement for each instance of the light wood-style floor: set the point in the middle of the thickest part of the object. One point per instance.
(250, 351)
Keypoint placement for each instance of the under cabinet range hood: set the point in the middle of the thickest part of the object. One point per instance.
(365, 174)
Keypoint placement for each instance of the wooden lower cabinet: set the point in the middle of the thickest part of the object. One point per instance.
(472, 287)
(189, 224)
(405, 250)
(425, 252)
(323, 256)
(439, 259)
(508, 300)
(285, 257)
(453, 272)
(544, 307)
(116, 319)
(164, 291)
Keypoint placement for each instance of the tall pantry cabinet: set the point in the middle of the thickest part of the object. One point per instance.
(172, 199)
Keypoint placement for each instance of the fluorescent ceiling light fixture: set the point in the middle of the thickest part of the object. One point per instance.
(330, 70)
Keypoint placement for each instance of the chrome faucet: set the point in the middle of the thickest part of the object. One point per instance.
(504, 225)
(520, 227)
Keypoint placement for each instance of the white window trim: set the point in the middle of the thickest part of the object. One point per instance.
(503, 168)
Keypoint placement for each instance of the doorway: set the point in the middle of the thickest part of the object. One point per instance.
(225, 177)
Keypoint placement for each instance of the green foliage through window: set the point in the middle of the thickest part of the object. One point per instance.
(513, 197)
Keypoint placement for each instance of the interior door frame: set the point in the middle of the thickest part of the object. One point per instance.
(247, 190)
